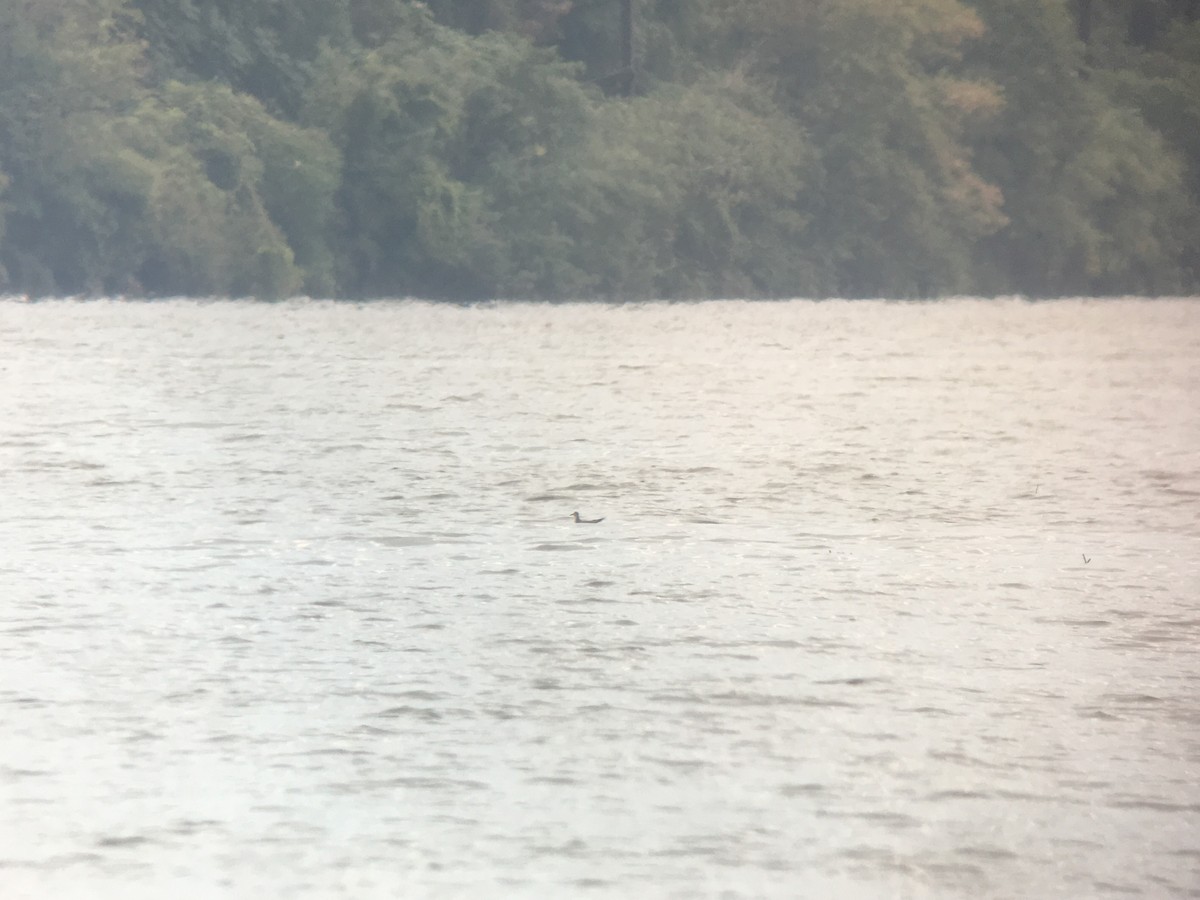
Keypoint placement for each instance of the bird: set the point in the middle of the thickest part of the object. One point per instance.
(579, 521)
(1085, 559)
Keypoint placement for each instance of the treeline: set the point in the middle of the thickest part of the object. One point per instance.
(467, 149)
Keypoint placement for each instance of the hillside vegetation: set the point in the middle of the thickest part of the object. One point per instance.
(468, 149)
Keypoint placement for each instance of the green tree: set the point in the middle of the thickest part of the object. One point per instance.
(537, 20)
(1145, 54)
(242, 203)
(264, 48)
(114, 188)
(436, 129)
(694, 191)
(478, 149)
(880, 88)
(74, 193)
(1095, 196)
(590, 32)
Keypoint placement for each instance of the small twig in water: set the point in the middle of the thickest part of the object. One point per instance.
(1085, 559)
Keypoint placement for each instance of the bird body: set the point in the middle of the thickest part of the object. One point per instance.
(579, 521)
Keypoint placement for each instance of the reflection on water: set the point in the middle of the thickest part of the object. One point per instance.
(888, 600)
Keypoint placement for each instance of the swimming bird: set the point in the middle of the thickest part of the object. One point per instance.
(579, 521)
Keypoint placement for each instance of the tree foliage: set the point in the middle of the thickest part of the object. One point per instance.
(1094, 195)
(467, 150)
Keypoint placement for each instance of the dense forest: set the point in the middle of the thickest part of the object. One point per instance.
(467, 149)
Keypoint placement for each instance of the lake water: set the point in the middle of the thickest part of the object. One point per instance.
(889, 600)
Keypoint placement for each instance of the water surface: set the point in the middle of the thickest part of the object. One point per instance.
(889, 600)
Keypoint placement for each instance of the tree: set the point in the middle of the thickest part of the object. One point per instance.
(447, 140)
(1146, 56)
(543, 148)
(242, 203)
(694, 191)
(74, 193)
(116, 188)
(264, 48)
(880, 89)
(1095, 197)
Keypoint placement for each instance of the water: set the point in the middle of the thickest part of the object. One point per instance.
(889, 600)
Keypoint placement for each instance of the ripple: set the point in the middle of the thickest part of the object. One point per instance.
(292, 606)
